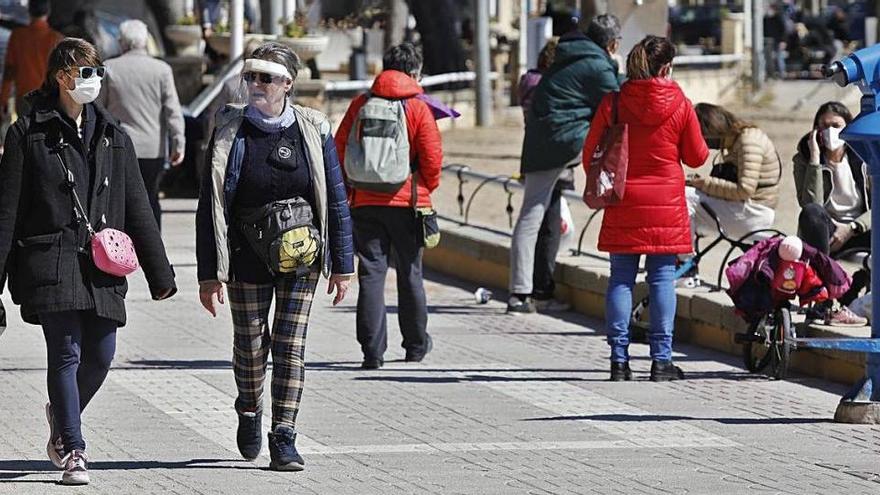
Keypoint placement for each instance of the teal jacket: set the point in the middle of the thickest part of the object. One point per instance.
(564, 103)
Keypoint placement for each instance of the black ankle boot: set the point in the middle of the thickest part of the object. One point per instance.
(282, 450)
(665, 371)
(249, 436)
(620, 372)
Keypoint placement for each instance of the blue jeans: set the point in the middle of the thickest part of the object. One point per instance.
(80, 347)
(618, 304)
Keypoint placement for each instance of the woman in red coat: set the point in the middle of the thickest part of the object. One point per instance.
(652, 219)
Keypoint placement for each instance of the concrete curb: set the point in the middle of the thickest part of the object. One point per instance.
(703, 318)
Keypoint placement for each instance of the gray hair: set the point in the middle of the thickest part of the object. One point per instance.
(604, 29)
(133, 34)
(280, 54)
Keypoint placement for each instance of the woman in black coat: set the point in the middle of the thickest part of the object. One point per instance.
(68, 142)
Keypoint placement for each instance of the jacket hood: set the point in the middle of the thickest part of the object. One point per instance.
(575, 46)
(652, 101)
(45, 107)
(394, 84)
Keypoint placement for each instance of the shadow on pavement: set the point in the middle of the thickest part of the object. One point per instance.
(200, 364)
(11, 469)
(478, 378)
(638, 418)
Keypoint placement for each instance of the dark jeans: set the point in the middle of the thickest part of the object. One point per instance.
(815, 227)
(152, 171)
(380, 232)
(549, 236)
(80, 347)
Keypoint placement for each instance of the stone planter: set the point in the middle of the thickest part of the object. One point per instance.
(307, 47)
(221, 43)
(187, 39)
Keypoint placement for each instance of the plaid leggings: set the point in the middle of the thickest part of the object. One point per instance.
(287, 339)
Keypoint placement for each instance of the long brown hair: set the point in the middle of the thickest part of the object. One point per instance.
(647, 58)
(715, 121)
(67, 54)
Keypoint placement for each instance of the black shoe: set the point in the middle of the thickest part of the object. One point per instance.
(282, 450)
(620, 372)
(665, 371)
(372, 363)
(249, 436)
(412, 357)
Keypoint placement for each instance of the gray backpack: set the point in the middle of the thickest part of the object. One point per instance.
(377, 153)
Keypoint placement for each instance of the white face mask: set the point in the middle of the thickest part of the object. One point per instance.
(831, 138)
(86, 90)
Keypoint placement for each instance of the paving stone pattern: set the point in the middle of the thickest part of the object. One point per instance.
(504, 405)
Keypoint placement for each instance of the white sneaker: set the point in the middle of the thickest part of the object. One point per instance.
(551, 306)
(76, 471)
(54, 447)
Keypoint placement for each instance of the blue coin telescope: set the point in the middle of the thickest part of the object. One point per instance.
(862, 68)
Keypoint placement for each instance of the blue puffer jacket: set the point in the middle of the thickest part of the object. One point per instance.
(225, 156)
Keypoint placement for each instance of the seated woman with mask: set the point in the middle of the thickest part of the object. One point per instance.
(833, 192)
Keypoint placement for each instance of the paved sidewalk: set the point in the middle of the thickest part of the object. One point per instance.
(504, 405)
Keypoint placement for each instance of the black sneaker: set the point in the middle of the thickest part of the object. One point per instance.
(620, 372)
(249, 436)
(412, 357)
(282, 450)
(665, 371)
(372, 363)
(519, 305)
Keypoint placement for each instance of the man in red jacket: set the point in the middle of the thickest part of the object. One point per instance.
(384, 222)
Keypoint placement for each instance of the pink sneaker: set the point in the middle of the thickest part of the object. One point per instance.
(843, 317)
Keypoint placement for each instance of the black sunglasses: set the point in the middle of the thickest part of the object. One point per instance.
(89, 72)
(262, 77)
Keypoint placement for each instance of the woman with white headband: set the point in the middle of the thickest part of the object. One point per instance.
(272, 216)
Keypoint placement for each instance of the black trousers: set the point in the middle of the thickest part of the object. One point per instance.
(549, 236)
(383, 233)
(815, 227)
(152, 170)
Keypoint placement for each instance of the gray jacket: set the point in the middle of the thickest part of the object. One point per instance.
(139, 91)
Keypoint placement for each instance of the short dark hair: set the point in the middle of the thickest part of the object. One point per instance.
(280, 54)
(38, 8)
(68, 54)
(404, 57)
(604, 29)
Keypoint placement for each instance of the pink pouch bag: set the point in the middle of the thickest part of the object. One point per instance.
(112, 250)
(113, 253)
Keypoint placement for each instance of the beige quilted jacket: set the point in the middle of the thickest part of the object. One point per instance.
(758, 171)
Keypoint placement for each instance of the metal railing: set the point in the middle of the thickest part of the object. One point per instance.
(510, 184)
(426, 82)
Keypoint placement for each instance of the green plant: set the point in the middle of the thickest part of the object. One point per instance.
(295, 28)
(188, 20)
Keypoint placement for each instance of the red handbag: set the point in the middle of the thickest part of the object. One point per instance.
(606, 177)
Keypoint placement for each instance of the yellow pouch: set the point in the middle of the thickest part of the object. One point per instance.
(298, 249)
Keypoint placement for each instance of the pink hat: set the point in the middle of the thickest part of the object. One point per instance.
(791, 248)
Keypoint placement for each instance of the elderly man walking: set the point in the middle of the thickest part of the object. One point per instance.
(139, 91)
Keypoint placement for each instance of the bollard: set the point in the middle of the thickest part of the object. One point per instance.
(862, 404)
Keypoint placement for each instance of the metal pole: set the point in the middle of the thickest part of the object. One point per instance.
(289, 10)
(481, 43)
(276, 13)
(758, 45)
(872, 367)
(236, 27)
(523, 54)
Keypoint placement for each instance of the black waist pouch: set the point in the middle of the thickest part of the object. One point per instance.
(283, 234)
